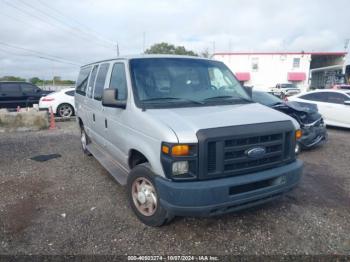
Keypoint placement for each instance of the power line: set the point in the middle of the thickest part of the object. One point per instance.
(86, 34)
(54, 18)
(14, 18)
(42, 55)
(75, 21)
(9, 52)
(65, 27)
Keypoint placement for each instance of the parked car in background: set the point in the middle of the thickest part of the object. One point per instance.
(314, 132)
(61, 102)
(284, 90)
(334, 105)
(23, 94)
(342, 87)
(184, 136)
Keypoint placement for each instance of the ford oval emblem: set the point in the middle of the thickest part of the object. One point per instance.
(256, 152)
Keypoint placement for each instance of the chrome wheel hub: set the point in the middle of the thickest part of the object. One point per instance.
(65, 111)
(83, 140)
(144, 196)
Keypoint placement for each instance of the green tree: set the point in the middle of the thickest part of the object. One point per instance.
(35, 80)
(11, 78)
(165, 48)
(205, 53)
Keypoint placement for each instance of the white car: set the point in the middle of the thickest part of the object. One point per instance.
(286, 89)
(334, 105)
(62, 102)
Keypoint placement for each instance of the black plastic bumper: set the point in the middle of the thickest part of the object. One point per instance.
(218, 196)
(313, 136)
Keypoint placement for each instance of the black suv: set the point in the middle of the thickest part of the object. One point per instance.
(13, 94)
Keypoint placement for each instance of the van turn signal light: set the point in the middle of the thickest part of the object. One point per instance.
(180, 150)
(165, 149)
(298, 134)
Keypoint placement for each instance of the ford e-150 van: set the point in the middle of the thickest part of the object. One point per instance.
(184, 136)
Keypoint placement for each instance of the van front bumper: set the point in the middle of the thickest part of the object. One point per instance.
(224, 195)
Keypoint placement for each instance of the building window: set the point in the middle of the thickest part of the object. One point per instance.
(255, 64)
(296, 62)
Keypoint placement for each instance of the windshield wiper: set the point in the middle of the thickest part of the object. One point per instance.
(231, 98)
(172, 98)
(278, 104)
(216, 97)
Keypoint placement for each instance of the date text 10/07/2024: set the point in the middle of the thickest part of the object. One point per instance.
(173, 258)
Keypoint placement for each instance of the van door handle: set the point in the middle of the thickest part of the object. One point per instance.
(93, 117)
(106, 124)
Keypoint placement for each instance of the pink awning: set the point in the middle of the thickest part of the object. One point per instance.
(243, 76)
(296, 76)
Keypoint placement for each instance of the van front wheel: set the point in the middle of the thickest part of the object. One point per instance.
(143, 197)
(85, 140)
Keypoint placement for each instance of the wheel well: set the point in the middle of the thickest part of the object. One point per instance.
(65, 104)
(136, 158)
(81, 125)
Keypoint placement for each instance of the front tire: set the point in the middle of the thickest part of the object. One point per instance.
(84, 140)
(297, 148)
(143, 197)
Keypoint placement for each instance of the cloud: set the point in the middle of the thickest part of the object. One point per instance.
(240, 25)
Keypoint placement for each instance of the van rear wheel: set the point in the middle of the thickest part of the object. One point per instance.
(143, 197)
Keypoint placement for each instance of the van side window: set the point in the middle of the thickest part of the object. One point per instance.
(100, 81)
(90, 86)
(82, 80)
(118, 80)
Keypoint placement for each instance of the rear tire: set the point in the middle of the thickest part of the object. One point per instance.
(143, 197)
(85, 140)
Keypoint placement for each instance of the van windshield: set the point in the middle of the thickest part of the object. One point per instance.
(175, 82)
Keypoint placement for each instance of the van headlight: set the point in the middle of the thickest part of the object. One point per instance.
(179, 161)
(180, 168)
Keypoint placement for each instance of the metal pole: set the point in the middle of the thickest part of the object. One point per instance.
(143, 42)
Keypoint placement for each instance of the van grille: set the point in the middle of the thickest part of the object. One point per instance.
(227, 155)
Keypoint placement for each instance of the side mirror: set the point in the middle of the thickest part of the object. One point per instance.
(249, 90)
(347, 102)
(38, 90)
(110, 99)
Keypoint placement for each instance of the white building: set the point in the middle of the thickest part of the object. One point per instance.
(264, 70)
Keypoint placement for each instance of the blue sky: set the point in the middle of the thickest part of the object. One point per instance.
(84, 31)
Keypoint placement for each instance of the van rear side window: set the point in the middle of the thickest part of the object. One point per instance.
(90, 87)
(118, 80)
(82, 80)
(100, 81)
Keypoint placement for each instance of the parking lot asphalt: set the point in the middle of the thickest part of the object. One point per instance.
(71, 205)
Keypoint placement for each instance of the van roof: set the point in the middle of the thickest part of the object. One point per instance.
(128, 57)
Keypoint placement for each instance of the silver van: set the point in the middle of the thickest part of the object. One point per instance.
(184, 136)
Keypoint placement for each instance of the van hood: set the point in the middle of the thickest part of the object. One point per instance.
(185, 122)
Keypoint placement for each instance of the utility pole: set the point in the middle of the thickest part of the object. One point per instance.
(143, 42)
(346, 44)
(117, 49)
(213, 47)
